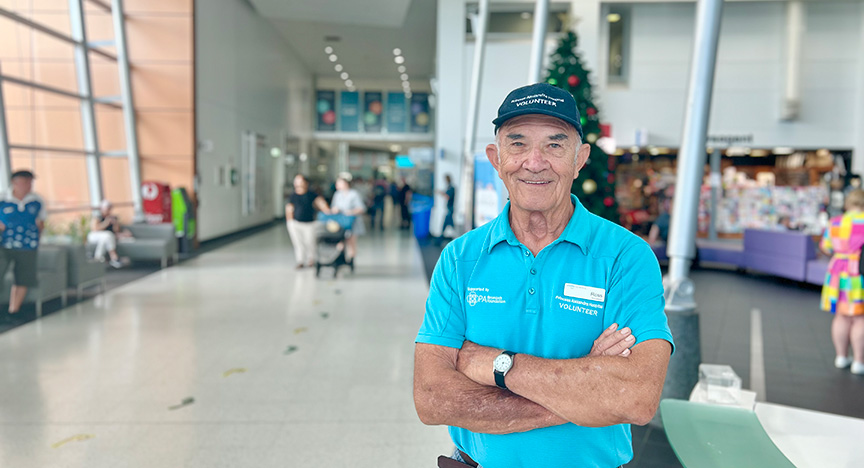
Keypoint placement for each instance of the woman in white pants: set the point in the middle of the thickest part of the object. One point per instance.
(300, 217)
(104, 232)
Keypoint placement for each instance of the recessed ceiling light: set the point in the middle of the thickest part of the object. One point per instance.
(399, 59)
(613, 17)
(397, 51)
(401, 68)
(404, 76)
(333, 57)
(408, 94)
(395, 148)
(328, 50)
(344, 76)
(405, 84)
(338, 67)
(351, 88)
(526, 15)
(349, 83)
(783, 150)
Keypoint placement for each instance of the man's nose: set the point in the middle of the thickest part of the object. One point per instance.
(535, 161)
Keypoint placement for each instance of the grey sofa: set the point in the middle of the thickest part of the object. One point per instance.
(83, 272)
(151, 242)
(52, 273)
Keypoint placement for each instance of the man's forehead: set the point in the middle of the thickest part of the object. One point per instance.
(554, 124)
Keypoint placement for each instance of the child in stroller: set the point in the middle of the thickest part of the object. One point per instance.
(335, 228)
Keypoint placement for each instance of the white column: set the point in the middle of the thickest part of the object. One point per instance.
(858, 149)
(451, 104)
(587, 17)
(5, 152)
(538, 41)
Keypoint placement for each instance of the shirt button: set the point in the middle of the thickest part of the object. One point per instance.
(531, 291)
(527, 253)
(533, 271)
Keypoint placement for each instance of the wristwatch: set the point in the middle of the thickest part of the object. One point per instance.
(501, 365)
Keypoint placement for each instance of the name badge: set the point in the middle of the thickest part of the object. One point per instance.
(584, 292)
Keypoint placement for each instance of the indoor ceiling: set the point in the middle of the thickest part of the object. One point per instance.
(362, 34)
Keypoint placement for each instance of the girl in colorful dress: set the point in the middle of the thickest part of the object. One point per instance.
(843, 293)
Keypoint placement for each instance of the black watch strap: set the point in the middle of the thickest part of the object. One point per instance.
(499, 376)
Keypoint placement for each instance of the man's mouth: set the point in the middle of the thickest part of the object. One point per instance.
(536, 182)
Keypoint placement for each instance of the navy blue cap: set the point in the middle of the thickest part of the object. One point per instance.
(539, 98)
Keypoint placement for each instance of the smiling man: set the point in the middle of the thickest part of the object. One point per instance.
(544, 336)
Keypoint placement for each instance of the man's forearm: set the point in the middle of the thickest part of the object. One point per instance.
(459, 401)
(611, 389)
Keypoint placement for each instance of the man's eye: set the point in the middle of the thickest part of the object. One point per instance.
(554, 145)
(518, 143)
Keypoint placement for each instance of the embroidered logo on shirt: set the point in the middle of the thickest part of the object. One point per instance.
(477, 295)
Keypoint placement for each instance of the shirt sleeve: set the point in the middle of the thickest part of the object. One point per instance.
(635, 297)
(825, 244)
(444, 322)
(43, 214)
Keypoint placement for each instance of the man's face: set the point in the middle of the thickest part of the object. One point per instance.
(22, 185)
(300, 183)
(537, 158)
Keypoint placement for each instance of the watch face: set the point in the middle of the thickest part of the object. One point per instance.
(502, 363)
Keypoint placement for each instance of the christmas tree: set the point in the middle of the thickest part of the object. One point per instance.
(595, 186)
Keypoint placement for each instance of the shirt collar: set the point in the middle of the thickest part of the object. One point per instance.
(576, 232)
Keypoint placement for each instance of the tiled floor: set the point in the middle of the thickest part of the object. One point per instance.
(280, 369)
(284, 369)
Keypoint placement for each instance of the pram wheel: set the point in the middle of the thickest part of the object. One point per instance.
(317, 269)
(351, 265)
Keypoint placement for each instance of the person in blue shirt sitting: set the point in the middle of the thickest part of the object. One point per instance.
(545, 335)
(22, 218)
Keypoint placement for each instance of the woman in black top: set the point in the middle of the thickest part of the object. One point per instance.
(300, 217)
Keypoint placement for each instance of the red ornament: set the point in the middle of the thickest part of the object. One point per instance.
(610, 178)
(329, 117)
(608, 201)
(573, 81)
(591, 111)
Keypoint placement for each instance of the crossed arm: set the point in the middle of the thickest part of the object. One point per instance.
(612, 385)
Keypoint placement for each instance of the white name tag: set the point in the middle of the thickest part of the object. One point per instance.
(584, 292)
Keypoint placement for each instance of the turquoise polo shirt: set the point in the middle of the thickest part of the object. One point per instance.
(489, 288)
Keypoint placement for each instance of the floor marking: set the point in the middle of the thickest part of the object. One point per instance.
(325, 315)
(290, 349)
(75, 438)
(185, 402)
(757, 356)
(300, 330)
(236, 370)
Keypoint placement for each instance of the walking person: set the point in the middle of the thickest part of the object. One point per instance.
(22, 219)
(450, 195)
(104, 232)
(347, 201)
(300, 219)
(545, 334)
(842, 291)
(404, 202)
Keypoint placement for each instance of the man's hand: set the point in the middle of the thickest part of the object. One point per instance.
(613, 342)
(2, 226)
(475, 361)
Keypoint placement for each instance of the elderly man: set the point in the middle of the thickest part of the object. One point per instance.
(544, 335)
(22, 218)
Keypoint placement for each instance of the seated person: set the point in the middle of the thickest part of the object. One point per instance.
(105, 230)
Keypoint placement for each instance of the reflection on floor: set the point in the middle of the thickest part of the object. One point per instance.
(231, 359)
(235, 359)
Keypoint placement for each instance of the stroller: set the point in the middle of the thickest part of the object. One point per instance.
(333, 231)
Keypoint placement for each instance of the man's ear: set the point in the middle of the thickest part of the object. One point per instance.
(581, 158)
(492, 154)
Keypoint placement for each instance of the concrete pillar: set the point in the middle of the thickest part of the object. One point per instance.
(451, 104)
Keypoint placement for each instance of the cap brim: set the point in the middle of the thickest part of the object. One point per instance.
(499, 121)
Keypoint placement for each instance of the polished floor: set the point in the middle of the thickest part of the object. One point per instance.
(235, 359)
(232, 359)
